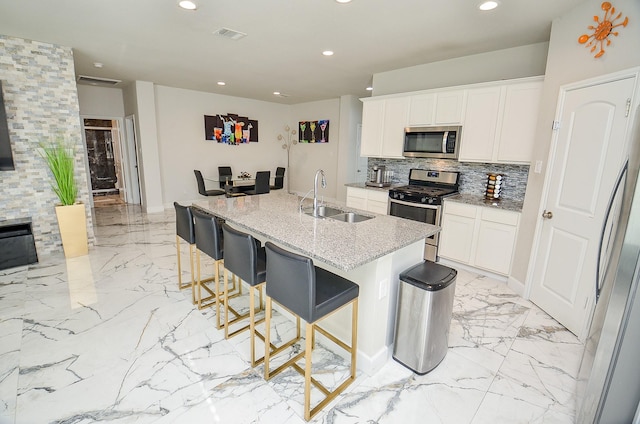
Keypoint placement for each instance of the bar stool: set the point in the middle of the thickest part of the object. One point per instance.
(312, 294)
(246, 261)
(185, 231)
(210, 242)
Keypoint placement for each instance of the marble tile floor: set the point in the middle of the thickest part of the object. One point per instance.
(109, 338)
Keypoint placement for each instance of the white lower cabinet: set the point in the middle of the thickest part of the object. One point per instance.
(478, 236)
(375, 201)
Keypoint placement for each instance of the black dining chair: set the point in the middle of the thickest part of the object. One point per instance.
(225, 175)
(262, 183)
(202, 188)
(279, 179)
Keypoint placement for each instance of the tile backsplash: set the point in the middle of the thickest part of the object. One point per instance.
(473, 176)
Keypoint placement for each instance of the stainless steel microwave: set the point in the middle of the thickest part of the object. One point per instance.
(432, 142)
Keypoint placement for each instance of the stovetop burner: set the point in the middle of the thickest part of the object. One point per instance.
(427, 187)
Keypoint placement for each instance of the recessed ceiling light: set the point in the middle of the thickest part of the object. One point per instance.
(369, 88)
(222, 83)
(343, 1)
(276, 93)
(98, 64)
(327, 53)
(488, 5)
(186, 4)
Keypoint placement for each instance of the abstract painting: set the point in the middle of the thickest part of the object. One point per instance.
(313, 131)
(230, 129)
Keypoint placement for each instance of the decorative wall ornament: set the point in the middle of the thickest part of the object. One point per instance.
(230, 129)
(288, 140)
(314, 131)
(603, 29)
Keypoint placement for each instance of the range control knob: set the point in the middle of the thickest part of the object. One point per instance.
(401, 196)
(424, 200)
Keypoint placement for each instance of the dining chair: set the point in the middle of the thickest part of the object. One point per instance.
(202, 188)
(262, 183)
(279, 179)
(225, 175)
(310, 293)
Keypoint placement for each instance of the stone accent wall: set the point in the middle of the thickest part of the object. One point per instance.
(41, 100)
(473, 176)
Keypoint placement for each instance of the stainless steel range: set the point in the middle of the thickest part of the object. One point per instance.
(421, 200)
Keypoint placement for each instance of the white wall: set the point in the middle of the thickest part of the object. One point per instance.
(517, 62)
(350, 117)
(306, 158)
(568, 62)
(100, 101)
(183, 147)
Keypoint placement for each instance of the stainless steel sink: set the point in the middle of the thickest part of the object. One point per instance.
(350, 217)
(337, 214)
(324, 211)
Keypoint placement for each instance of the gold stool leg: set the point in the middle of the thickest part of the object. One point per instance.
(193, 294)
(226, 304)
(307, 371)
(217, 265)
(267, 338)
(252, 325)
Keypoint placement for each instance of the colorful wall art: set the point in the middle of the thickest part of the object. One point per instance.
(313, 131)
(230, 129)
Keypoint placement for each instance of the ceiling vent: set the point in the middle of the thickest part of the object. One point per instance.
(83, 79)
(229, 33)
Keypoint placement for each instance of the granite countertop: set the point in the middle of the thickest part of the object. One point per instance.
(363, 185)
(346, 246)
(477, 200)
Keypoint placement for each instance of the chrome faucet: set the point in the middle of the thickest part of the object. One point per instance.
(315, 190)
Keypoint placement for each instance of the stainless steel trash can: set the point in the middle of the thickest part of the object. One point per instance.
(423, 317)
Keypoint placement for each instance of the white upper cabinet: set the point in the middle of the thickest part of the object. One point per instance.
(383, 122)
(449, 107)
(422, 109)
(372, 120)
(480, 124)
(499, 123)
(395, 119)
(519, 120)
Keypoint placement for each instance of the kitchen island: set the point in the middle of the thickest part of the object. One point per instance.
(371, 253)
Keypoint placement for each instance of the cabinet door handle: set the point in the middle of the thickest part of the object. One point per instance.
(547, 214)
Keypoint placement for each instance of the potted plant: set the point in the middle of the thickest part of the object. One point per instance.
(71, 215)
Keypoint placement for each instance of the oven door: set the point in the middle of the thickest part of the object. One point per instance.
(429, 214)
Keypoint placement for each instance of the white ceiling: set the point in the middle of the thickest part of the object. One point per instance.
(155, 40)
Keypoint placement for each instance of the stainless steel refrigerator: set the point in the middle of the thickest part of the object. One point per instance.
(608, 389)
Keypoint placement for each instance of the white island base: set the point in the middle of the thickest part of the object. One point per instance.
(378, 282)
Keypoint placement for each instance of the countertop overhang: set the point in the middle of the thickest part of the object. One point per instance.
(276, 216)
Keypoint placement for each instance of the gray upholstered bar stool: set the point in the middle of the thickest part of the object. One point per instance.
(246, 260)
(312, 294)
(185, 231)
(210, 242)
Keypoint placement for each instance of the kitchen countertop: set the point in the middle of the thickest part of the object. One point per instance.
(363, 185)
(345, 246)
(476, 200)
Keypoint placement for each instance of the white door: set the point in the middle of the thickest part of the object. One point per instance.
(584, 161)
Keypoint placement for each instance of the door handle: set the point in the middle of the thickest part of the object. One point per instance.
(547, 214)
